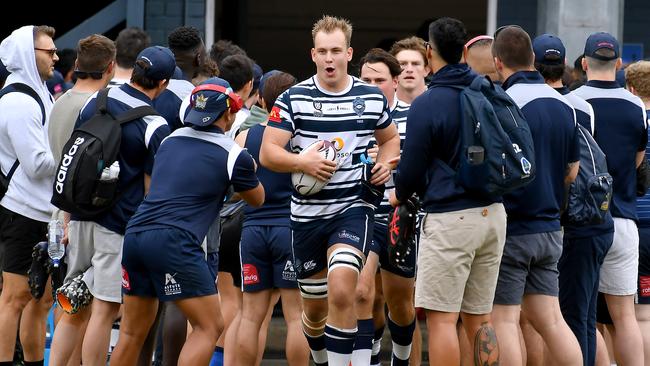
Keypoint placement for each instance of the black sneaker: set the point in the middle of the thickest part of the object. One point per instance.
(39, 270)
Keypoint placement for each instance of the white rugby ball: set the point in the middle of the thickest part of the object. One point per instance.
(306, 184)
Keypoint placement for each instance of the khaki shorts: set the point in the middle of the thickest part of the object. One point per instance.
(96, 252)
(458, 259)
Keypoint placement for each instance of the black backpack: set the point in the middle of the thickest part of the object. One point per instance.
(590, 194)
(93, 146)
(497, 151)
(25, 89)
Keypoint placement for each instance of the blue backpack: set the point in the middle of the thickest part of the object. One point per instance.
(591, 193)
(497, 151)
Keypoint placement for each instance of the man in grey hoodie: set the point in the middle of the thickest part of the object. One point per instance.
(29, 54)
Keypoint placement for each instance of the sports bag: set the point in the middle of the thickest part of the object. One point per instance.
(497, 151)
(591, 193)
(78, 186)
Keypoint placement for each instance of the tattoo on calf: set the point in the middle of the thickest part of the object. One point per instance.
(486, 349)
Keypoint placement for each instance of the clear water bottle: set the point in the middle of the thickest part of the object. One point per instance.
(55, 248)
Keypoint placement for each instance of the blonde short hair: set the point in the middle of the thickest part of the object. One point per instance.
(637, 75)
(411, 43)
(329, 24)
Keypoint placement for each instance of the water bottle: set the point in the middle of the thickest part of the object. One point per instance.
(55, 248)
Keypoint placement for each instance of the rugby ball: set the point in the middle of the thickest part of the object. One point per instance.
(306, 184)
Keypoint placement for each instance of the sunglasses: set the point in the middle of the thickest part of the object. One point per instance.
(95, 75)
(51, 51)
(496, 32)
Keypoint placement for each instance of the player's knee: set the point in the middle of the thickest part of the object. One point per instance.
(16, 300)
(364, 294)
(403, 310)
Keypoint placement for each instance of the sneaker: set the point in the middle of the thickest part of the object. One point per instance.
(39, 271)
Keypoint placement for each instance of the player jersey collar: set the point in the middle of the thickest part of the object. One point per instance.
(342, 92)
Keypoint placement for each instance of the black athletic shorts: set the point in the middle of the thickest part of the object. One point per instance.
(231, 226)
(18, 235)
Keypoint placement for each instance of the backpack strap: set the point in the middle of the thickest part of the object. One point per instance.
(135, 113)
(102, 101)
(25, 89)
(128, 116)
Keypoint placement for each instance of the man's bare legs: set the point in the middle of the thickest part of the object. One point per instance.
(297, 349)
(626, 338)
(98, 332)
(14, 298)
(544, 314)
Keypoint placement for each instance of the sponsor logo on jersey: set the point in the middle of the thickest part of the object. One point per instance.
(274, 116)
(348, 235)
(359, 106)
(308, 266)
(251, 276)
(644, 286)
(288, 274)
(126, 284)
(338, 143)
(172, 287)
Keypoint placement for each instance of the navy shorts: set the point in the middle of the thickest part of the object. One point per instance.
(380, 246)
(310, 241)
(266, 258)
(165, 263)
(643, 292)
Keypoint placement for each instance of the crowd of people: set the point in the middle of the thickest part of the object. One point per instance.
(206, 234)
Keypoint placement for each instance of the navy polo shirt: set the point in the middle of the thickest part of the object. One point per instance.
(191, 176)
(620, 131)
(140, 141)
(535, 208)
(276, 210)
(169, 101)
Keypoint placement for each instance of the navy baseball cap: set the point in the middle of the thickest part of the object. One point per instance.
(266, 77)
(549, 50)
(257, 76)
(599, 41)
(56, 84)
(207, 105)
(160, 60)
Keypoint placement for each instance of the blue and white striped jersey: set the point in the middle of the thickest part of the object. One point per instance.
(399, 111)
(349, 119)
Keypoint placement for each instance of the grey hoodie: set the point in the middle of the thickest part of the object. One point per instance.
(22, 134)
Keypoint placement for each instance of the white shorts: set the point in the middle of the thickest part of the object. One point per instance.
(96, 252)
(618, 274)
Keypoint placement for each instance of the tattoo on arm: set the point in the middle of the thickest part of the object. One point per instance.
(486, 349)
